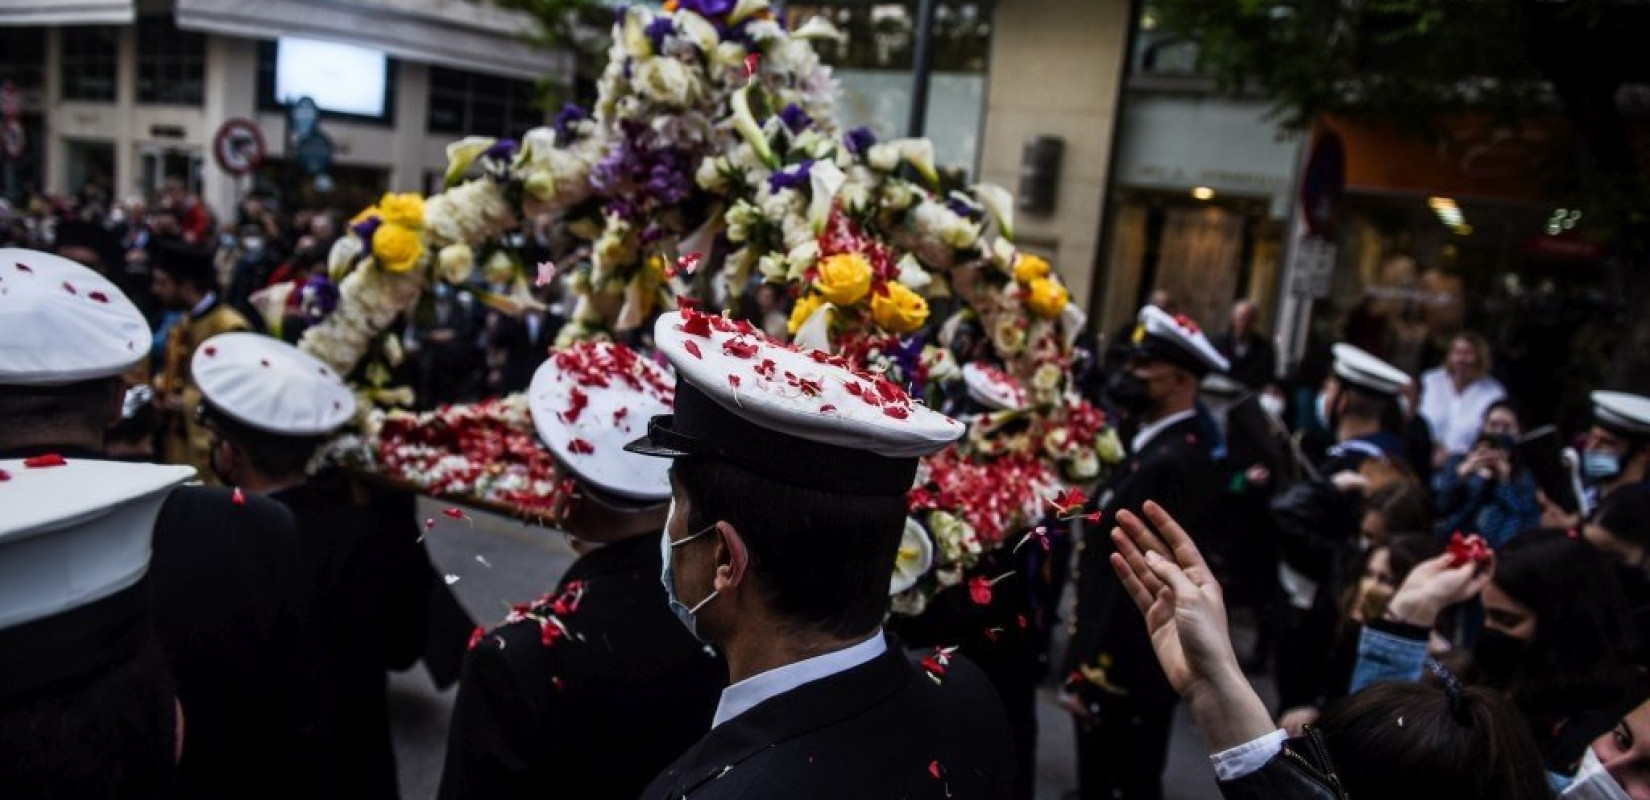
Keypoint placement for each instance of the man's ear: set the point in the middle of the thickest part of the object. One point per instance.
(732, 558)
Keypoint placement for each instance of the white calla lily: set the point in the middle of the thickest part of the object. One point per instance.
(745, 122)
(919, 153)
(697, 30)
(815, 332)
(745, 9)
(826, 180)
(633, 33)
(462, 153)
(912, 275)
(914, 559)
(999, 202)
(817, 28)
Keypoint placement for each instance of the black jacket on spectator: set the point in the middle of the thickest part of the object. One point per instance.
(592, 716)
(1256, 366)
(361, 553)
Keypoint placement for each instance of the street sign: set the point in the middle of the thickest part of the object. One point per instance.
(314, 153)
(1324, 183)
(238, 147)
(12, 141)
(302, 120)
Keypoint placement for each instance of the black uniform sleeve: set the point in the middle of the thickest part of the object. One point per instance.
(495, 751)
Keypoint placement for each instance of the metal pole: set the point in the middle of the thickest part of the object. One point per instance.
(922, 63)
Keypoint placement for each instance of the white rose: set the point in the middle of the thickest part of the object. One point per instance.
(741, 218)
(803, 256)
(712, 174)
(666, 81)
(897, 195)
(1084, 466)
(883, 157)
(773, 268)
(456, 262)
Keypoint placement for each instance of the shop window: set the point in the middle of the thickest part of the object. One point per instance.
(88, 66)
(873, 62)
(268, 56)
(485, 105)
(22, 57)
(171, 63)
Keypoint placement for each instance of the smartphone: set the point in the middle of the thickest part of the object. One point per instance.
(1542, 450)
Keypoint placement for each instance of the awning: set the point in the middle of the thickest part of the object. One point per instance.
(66, 12)
(470, 36)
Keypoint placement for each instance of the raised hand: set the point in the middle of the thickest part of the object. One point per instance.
(1434, 585)
(1185, 613)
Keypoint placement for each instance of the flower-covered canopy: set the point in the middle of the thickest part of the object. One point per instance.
(712, 159)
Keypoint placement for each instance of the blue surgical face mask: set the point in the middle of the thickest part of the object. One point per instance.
(685, 614)
(1592, 782)
(1600, 465)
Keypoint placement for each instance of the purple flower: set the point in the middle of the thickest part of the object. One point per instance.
(791, 177)
(964, 209)
(795, 118)
(569, 116)
(318, 298)
(860, 140)
(707, 8)
(366, 228)
(657, 30)
(502, 150)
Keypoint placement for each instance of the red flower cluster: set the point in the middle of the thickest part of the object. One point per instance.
(467, 451)
(603, 363)
(995, 496)
(1462, 549)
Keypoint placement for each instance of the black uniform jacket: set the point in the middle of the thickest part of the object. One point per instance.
(232, 612)
(361, 554)
(230, 615)
(595, 714)
(1110, 650)
(884, 729)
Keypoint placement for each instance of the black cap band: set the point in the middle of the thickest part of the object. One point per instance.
(74, 644)
(1158, 348)
(701, 427)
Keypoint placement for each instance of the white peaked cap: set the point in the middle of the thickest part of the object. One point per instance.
(62, 323)
(993, 388)
(590, 400)
(1357, 367)
(76, 533)
(1188, 344)
(1628, 413)
(267, 384)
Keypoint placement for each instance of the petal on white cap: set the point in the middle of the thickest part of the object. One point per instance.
(591, 399)
(62, 323)
(270, 385)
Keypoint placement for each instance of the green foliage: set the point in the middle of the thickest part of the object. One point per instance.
(579, 27)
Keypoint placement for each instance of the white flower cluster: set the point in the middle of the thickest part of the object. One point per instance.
(369, 300)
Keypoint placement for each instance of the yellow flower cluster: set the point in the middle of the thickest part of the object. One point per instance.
(844, 279)
(1046, 297)
(1028, 268)
(898, 309)
(398, 243)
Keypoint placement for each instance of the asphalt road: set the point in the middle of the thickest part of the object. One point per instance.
(492, 562)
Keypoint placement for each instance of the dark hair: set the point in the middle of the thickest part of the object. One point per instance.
(1420, 741)
(271, 454)
(1626, 513)
(823, 559)
(1404, 551)
(1366, 404)
(32, 411)
(108, 737)
(1403, 507)
(1510, 405)
(1580, 610)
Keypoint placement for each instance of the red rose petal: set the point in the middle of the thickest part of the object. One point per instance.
(475, 637)
(827, 408)
(580, 447)
(210, 350)
(44, 461)
(934, 768)
(734, 381)
(238, 498)
(23, 267)
(752, 61)
(99, 297)
(4, 475)
(693, 349)
(68, 288)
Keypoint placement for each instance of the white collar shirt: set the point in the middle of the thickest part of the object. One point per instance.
(1456, 417)
(1150, 431)
(752, 691)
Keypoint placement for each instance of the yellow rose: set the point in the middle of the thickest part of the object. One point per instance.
(844, 279)
(406, 209)
(898, 309)
(805, 307)
(397, 249)
(1046, 297)
(1028, 268)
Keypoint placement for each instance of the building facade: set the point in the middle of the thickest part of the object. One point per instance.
(129, 95)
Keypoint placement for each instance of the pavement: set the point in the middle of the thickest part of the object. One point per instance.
(492, 561)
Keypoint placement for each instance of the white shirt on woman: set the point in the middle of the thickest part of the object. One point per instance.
(1455, 417)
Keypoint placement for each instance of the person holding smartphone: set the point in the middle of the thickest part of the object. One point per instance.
(1486, 490)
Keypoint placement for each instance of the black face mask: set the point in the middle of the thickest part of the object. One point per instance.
(1128, 393)
(1498, 655)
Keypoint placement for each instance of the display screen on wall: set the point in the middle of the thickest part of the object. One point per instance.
(341, 78)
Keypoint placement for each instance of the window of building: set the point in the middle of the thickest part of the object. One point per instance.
(268, 55)
(873, 62)
(483, 105)
(23, 57)
(88, 67)
(171, 63)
